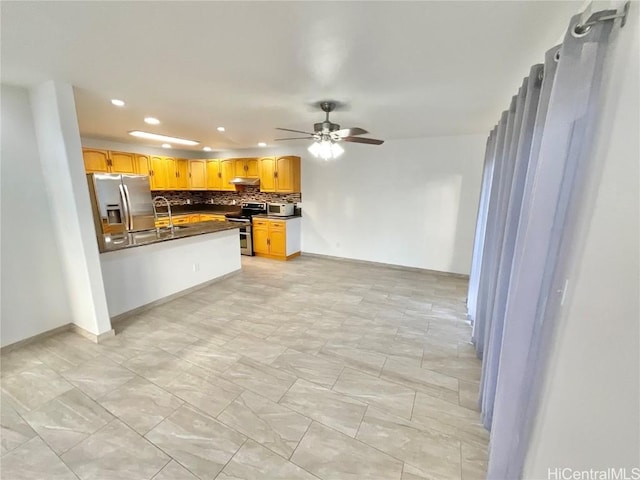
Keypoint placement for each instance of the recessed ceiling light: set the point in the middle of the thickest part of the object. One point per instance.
(206, 149)
(117, 103)
(166, 145)
(152, 121)
(262, 144)
(163, 138)
(221, 129)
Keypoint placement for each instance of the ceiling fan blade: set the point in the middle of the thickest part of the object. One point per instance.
(348, 132)
(370, 141)
(291, 138)
(296, 131)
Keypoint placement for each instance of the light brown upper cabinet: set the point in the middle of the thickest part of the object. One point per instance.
(246, 167)
(108, 162)
(170, 172)
(220, 173)
(142, 164)
(214, 176)
(227, 171)
(176, 173)
(95, 160)
(122, 162)
(158, 173)
(279, 174)
(197, 175)
(182, 174)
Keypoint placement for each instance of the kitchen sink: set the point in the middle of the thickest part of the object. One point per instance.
(151, 236)
(161, 233)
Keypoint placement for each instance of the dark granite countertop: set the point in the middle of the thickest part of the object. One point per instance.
(277, 217)
(199, 208)
(114, 243)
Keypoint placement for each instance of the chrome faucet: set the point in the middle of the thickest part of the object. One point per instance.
(155, 212)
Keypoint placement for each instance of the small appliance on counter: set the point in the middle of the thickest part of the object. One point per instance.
(281, 209)
(249, 209)
(121, 203)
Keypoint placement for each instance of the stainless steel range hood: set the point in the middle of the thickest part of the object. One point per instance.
(245, 181)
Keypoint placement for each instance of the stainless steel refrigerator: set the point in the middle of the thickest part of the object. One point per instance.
(121, 203)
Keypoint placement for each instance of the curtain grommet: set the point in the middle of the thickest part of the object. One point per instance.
(580, 31)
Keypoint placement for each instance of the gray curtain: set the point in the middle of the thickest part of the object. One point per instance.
(478, 243)
(532, 177)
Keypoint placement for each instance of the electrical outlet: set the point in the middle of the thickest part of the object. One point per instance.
(196, 267)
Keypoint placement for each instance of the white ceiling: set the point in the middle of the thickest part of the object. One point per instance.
(404, 69)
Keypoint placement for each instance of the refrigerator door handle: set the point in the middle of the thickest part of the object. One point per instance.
(125, 206)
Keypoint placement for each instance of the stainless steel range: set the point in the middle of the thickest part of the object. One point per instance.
(249, 209)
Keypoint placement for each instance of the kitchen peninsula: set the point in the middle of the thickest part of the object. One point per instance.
(160, 266)
(144, 262)
(143, 265)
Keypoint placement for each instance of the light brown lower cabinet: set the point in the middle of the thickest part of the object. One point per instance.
(275, 238)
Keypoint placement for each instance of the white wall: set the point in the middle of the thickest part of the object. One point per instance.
(34, 294)
(407, 202)
(589, 413)
(140, 275)
(58, 137)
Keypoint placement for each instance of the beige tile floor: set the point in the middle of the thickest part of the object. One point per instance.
(310, 369)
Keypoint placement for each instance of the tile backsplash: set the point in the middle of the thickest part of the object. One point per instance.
(249, 194)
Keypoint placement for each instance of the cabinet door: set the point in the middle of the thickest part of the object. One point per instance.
(261, 240)
(214, 176)
(238, 167)
(251, 169)
(288, 174)
(158, 173)
(170, 173)
(277, 241)
(212, 218)
(181, 220)
(95, 160)
(227, 170)
(122, 162)
(197, 174)
(142, 164)
(267, 169)
(182, 174)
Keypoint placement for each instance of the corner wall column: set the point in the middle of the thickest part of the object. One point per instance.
(60, 149)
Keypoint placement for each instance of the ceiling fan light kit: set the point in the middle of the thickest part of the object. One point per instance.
(325, 149)
(326, 136)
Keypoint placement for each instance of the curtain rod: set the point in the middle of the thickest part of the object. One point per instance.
(582, 28)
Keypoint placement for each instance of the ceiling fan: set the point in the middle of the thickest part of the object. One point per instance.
(327, 135)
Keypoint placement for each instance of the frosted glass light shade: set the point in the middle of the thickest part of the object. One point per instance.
(325, 149)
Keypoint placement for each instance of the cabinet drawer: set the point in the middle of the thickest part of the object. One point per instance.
(194, 218)
(277, 225)
(212, 218)
(180, 220)
(260, 222)
(162, 223)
